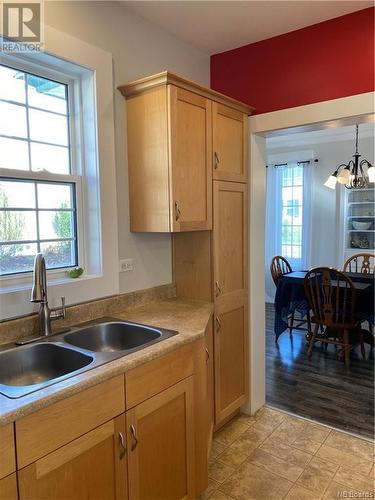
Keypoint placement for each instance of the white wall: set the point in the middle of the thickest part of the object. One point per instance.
(325, 231)
(139, 48)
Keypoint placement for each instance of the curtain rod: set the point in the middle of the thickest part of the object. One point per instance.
(298, 163)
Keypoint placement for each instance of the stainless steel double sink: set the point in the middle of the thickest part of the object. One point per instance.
(29, 368)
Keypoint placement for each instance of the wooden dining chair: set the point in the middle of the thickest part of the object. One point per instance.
(280, 266)
(363, 263)
(332, 298)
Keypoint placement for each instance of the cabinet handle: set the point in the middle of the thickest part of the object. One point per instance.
(122, 445)
(218, 288)
(216, 160)
(218, 324)
(207, 355)
(135, 439)
(177, 210)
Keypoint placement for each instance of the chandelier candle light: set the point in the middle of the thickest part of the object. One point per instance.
(352, 174)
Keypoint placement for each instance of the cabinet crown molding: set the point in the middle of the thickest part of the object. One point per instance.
(167, 78)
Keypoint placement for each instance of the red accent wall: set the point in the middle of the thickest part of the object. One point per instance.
(324, 61)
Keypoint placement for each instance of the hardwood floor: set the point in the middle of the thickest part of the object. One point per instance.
(323, 390)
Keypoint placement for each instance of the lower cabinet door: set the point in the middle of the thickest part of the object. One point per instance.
(160, 436)
(93, 466)
(8, 487)
(210, 383)
(231, 355)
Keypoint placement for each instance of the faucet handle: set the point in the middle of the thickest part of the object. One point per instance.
(59, 312)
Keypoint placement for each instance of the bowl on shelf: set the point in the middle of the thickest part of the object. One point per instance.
(361, 226)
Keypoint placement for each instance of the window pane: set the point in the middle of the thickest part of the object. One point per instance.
(47, 127)
(15, 194)
(14, 154)
(15, 226)
(297, 195)
(296, 252)
(297, 216)
(298, 175)
(13, 120)
(54, 159)
(59, 254)
(287, 195)
(55, 224)
(286, 217)
(55, 196)
(286, 251)
(12, 84)
(287, 176)
(46, 94)
(297, 235)
(286, 232)
(17, 258)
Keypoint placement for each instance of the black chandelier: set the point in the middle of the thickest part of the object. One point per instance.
(355, 174)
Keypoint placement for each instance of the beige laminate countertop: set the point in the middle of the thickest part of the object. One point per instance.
(188, 317)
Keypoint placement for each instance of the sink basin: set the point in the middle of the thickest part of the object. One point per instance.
(112, 336)
(25, 369)
(31, 367)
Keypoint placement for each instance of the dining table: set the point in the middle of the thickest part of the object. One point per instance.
(290, 296)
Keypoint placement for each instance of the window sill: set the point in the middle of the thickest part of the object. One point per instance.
(6, 285)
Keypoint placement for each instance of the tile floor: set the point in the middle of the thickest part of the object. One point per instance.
(275, 455)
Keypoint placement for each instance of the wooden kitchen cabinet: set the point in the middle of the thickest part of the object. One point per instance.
(213, 266)
(209, 348)
(231, 355)
(169, 153)
(229, 239)
(171, 132)
(92, 466)
(229, 130)
(7, 450)
(190, 160)
(8, 479)
(230, 290)
(160, 438)
(52, 427)
(8, 487)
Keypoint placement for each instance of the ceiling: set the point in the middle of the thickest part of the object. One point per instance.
(216, 26)
(328, 135)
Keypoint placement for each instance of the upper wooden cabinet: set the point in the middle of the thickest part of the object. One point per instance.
(229, 127)
(190, 160)
(171, 132)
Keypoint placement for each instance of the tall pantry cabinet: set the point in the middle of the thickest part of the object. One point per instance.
(187, 150)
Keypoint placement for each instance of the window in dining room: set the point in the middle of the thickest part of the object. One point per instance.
(291, 211)
(288, 212)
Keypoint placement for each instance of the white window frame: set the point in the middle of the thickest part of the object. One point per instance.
(92, 69)
(76, 160)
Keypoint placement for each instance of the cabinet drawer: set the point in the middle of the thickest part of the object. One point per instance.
(52, 427)
(7, 452)
(153, 377)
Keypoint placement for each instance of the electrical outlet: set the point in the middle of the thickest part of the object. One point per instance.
(126, 265)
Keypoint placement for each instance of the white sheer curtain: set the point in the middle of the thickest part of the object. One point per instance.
(274, 215)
